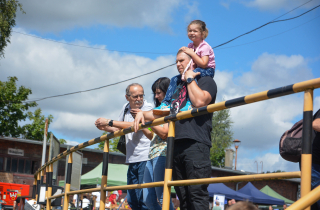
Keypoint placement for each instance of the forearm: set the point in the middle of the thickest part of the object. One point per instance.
(316, 125)
(111, 129)
(148, 133)
(121, 124)
(201, 62)
(198, 97)
(148, 115)
(162, 132)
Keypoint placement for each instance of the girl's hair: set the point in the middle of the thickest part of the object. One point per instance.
(162, 83)
(203, 27)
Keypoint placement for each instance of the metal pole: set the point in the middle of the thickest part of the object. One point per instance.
(44, 148)
(261, 166)
(38, 186)
(169, 163)
(49, 184)
(34, 189)
(104, 177)
(257, 165)
(235, 162)
(306, 155)
(68, 182)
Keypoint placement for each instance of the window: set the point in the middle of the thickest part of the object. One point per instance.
(21, 166)
(14, 165)
(1, 163)
(28, 167)
(18, 165)
(8, 164)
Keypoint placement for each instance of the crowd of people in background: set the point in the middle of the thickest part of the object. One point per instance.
(91, 201)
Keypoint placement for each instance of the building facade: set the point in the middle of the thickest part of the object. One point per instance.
(20, 159)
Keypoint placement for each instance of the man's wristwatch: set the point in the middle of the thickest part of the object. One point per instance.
(189, 80)
(110, 123)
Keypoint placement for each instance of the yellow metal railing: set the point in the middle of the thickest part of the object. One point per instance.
(308, 197)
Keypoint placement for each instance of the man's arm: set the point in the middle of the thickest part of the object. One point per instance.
(162, 132)
(143, 116)
(198, 97)
(316, 125)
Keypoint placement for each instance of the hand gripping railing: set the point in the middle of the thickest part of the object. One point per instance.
(307, 197)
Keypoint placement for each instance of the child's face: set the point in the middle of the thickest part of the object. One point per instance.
(195, 33)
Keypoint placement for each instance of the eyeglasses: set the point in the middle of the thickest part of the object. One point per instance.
(137, 96)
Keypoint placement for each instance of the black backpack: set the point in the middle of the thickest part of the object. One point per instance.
(290, 142)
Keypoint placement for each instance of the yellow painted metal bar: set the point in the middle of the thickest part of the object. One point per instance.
(47, 171)
(34, 188)
(38, 184)
(49, 193)
(309, 84)
(251, 177)
(307, 200)
(168, 169)
(104, 178)
(67, 188)
(306, 156)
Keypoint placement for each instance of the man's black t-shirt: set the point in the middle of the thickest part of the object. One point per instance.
(316, 144)
(196, 128)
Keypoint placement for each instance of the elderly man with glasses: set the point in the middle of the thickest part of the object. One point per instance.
(137, 144)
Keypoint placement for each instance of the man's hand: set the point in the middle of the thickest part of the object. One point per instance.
(101, 122)
(134, 112)
(191, 74)
(139, 118)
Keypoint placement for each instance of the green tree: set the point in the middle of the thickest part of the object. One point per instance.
(221, 136)
(8, 10)
(112, 144)
(12, 108)
(62, 141)
(35, 130)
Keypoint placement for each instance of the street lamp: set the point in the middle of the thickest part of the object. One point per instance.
(236, 145)
(257, 165)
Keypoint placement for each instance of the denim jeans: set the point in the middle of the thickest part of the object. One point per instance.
(176, 79)
(135, 176)
(191, 160)
(315, 180)
(154, 172)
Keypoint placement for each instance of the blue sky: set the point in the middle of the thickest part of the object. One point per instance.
(288, 54)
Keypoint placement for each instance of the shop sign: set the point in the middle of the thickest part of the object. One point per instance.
(18, 152)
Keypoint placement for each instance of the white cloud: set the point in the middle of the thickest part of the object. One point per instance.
(55, 16)
(260, 125)
(51, 69)
(72, 143)
(267, 162)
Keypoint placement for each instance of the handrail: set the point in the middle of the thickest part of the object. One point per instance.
(306, 155)
(252, 98)
(251, 177)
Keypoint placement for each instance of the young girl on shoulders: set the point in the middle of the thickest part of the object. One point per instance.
(202, 60)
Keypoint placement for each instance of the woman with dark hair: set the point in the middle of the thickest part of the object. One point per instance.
(160, 87)
(155, 166)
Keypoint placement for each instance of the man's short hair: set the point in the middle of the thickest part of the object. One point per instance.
(181, 51)
(131, 85)
(243, 205)
(217, 203)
